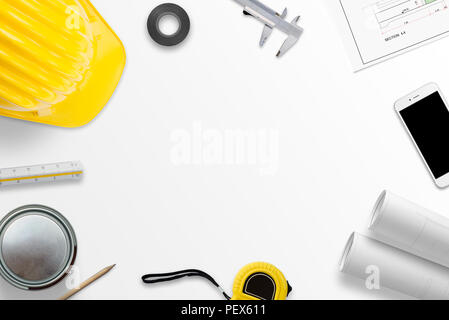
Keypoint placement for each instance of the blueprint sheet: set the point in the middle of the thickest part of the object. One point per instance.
(374, 31)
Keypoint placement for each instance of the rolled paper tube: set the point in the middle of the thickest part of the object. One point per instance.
(398, 270)
(411, 227)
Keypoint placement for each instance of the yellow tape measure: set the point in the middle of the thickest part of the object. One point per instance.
(256, 281)
(260, 281)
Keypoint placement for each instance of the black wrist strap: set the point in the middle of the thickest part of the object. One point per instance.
(165, 277)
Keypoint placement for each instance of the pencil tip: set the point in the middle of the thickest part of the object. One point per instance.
(107, 269)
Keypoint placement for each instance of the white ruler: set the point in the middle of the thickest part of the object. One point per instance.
(41, 173)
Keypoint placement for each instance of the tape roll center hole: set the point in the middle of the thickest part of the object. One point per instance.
(169, 25)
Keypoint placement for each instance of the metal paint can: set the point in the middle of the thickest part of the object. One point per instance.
(37, 247)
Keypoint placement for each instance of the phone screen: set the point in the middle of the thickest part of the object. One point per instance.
(428, 122)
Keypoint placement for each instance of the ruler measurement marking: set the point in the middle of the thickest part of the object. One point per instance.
(70, 170)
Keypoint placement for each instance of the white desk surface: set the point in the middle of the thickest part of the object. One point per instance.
(340, 145)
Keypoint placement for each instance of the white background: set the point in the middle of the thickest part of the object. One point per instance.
(341, 144)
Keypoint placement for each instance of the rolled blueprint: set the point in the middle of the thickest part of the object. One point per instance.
(412, 228)
(366, 258)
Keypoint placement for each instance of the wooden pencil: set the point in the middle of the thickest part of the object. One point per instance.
(86, 283)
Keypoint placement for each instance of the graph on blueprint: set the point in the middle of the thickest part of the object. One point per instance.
(384, 28)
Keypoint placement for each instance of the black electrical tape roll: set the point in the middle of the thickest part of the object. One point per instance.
(155, 18)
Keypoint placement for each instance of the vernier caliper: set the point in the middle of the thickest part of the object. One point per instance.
(272, 20)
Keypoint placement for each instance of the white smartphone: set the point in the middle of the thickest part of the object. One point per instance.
(425, 115)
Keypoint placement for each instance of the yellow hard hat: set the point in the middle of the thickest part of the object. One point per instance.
(59, 61)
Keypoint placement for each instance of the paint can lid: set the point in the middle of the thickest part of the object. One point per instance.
(37, 247)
